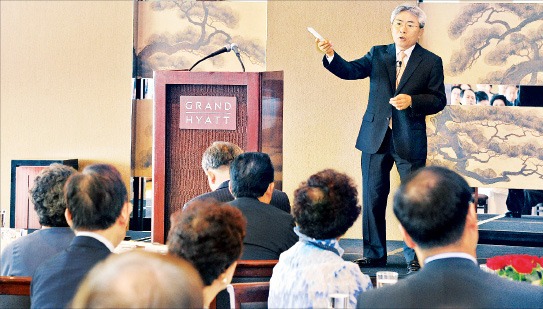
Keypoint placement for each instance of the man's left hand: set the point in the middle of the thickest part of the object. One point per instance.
(401, 101)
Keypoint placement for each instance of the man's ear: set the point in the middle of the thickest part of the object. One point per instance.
(407, 239)
(230, 188)
(124, 216)
(471, 218)
(211, 177)
(270, 189)
(68, 216)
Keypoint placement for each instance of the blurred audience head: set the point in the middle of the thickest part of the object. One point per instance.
(498, 100)
(455, 95)
(97, 200)
(47, 194)
(467, 97)
(220, 154)
(482, 98)
(216, 162)
(251, 175)
(210, 235)
(326, 205)
(511, 93)
(140, 279)
(432, 205)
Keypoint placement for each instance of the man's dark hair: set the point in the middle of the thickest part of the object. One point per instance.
(208, 234)
(95, 197)
(326, 205)
(480, 96)
(432, 205)
(47, 194)
(250, 174)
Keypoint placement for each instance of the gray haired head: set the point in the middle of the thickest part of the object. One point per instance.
(415, 10)
(219, 154)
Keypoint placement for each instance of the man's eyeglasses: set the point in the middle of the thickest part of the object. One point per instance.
(409, 25)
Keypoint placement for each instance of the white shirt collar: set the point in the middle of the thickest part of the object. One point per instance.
(449, 255)
(98, 237)
(407, 53)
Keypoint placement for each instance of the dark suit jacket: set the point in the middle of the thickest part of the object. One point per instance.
(422, 80)
(453, 282)
(56, 281)
(270, 231)
(222, 194)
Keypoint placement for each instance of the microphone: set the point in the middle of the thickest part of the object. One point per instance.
(398, 64)
(235, 48)
(225, 49)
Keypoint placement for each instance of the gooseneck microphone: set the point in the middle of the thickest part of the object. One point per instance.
(236, 51)
(225, 49)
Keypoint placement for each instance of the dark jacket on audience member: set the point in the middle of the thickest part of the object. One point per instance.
(222, 194)
(270, 231)
(56, 281)
(453, 282)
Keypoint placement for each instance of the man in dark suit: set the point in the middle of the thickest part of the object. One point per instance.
(406, 84)
(439, 221)
(98, 211)
(216, 165)
(270, 231)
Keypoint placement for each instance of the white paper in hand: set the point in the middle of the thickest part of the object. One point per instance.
(315, 33)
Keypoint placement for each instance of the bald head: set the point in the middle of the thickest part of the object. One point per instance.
(432, 205)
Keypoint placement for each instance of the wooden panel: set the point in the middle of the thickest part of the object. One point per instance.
(15, 285)
(177, 173)
(25, 215)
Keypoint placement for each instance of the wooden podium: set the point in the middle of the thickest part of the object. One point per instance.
(177, 152)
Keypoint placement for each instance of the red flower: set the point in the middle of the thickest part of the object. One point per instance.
(497, 262)
(523, 264)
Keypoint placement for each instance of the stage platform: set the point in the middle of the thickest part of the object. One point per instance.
(497, 236)
(526, 231)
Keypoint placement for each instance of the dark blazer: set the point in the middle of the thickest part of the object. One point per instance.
(55, 282)
(453, 282)
(270, 231)
(222, 194)
(23, 256)
(422, 80)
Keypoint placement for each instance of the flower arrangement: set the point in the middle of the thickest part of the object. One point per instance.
(518, 267)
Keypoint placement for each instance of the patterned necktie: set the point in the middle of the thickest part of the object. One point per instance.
(400, 68)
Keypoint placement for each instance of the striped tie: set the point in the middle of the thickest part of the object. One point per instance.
(400, 68)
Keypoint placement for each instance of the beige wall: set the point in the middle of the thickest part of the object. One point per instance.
(65, 83)
(66, 70)
(322, 114)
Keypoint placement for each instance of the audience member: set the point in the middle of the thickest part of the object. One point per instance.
(140, 279)
(25, 254)
(455, 95)
(438, 220)
(269, 230)
(467, 97)
(99, 212)
(216, 165)
(511, 93)
(482, 98)
(210, 235)
(325, 207)
(498, 100)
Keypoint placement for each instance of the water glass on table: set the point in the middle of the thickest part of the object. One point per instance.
(384, 278)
